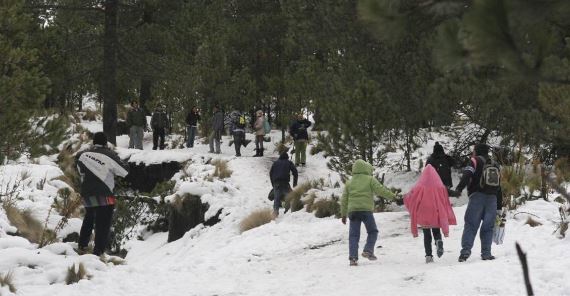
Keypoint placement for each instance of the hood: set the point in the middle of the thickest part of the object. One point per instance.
(284, 155)
(362, 167)
(429, 178)
(438, 149)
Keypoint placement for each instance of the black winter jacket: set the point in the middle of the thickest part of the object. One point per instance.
(98, 167)
(298, 129)
(159, 120)
(442, 163)
(280, 169)
(192, 118)
(471, 178)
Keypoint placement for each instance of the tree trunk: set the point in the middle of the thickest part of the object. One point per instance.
(109, 72)
(408, 151)
(145, 93)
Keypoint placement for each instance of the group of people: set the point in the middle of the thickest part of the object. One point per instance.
(428, 203)
(137, 125)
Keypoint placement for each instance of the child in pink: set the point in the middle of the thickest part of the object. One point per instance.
(429, 207)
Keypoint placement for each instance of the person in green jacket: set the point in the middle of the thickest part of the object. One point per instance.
(357, 203)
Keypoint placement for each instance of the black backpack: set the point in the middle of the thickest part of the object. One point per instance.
(490, 180)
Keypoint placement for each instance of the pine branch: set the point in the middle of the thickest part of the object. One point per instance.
(65, 7)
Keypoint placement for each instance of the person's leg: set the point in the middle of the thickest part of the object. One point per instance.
(303, 147)
(473, 216)
(237, 142)
(297, 153)
(261, 145)
(486, 231)
(132, 136)
(211, 140)
(372, 230)
(353, 235)
(86, 228)
(438, 241)
(427, 241)
(218, 140)
(154, 139)
(140, 137)
(162, 136)
(277, 195)
(103, 220)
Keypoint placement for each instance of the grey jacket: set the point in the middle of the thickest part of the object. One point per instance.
(218, 121)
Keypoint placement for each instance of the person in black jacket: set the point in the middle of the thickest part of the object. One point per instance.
(298, 131)
(191, 125)
(159, 124)
(442, 163)
(98, 167)
(483, 204)
(280, 178)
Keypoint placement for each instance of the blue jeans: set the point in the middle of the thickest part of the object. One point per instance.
(191, 135)
(481, 207)
(280, 190)
(356, 218)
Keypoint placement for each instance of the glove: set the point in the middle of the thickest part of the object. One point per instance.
(399, 200)
(343, 220)
(453, 193)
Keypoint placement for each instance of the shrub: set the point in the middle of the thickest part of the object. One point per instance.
(293, 199)
(67, 203)
(7, 280)
(532, 222)
(326, 208)
(90, 115)
(222, 170)
(75, 273)
(256, 219)
(66, 162)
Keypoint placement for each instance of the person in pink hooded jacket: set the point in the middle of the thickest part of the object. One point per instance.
(429, 207)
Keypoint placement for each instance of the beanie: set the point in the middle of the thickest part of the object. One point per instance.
(100, 139)
(438, 149)
(481, 149)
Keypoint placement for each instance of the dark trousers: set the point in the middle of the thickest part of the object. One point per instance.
(259, 144)
(280, 191)
(427, 238)
(100, 216)
(156, 134)
(239, 139)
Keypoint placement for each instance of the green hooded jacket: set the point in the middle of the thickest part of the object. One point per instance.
(359, 191)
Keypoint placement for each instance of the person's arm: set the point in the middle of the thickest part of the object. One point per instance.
(468, 173)
(381, 190)
(153, 120)
(122, 167)
(308, 123)
(129, 119)
(294, 172)
(271, 174)
(344, 202)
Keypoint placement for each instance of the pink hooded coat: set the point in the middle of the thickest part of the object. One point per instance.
(428, 203)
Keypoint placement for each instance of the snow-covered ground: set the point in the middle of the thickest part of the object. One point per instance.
(298, 254)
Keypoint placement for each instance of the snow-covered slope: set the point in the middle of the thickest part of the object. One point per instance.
(298, 254)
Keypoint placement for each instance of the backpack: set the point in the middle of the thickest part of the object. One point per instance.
(490, 180)
(266, 126)
(240, 121)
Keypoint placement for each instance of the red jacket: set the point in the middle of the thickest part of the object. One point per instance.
(428, 203)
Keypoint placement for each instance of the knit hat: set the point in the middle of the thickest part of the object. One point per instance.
(284, 155)
(481, 149)
(99, 138)
(438, 149)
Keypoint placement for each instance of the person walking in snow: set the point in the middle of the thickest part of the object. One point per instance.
(237, 128)
(191, 125)
(482, 179)
(159, 124)
(98, 167)
(442, 163)
(259, 129)
(280, 178)
(429, 206)
(357, 203)
(298, 131)
(136, 122)
(217, 129)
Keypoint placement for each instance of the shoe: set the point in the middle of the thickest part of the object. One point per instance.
(429, 259)
(353, 262)
(463, 258)
(211, 151)
(303, 164)
(488, 257)
(439, 245)
(246, 142)
(238, 155)
(369, 256)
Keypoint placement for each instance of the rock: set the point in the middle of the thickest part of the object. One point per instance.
(186, 213)
(143, 177)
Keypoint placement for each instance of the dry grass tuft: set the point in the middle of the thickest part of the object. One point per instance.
(7, 280)
(68, 203)
(256, 219)
(90, 115)
(532, 223)
(75, 273)
(28, 226)
(222, 170)
(293, 199)
(326, 208)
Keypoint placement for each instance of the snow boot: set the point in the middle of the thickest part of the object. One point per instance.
(353, 262)
(369, 256)
(439, 245)
(488, 257)
(429, 259)
(257, 153)
(463, 258)
(246, 142)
